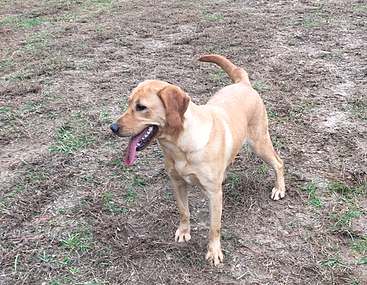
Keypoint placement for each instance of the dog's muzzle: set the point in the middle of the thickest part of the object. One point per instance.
(115, 128)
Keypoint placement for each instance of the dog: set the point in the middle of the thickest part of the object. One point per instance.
(199, 143)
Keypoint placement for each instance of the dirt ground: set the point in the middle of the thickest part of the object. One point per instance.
(72, 213)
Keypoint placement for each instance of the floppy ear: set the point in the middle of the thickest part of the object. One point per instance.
(176, 102)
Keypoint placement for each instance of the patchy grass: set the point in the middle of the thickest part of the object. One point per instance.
(72, 213)
(67, 141)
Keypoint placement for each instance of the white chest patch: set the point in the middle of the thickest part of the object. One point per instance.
(196, 135)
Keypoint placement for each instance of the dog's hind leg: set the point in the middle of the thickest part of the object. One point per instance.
(263, 148)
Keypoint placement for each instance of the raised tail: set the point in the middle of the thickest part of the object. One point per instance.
(237, 74)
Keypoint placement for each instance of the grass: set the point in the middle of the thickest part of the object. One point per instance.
(360, 245)
(334, 261)
(360, 8)
(68, 141)
(139, 182)
(358, 108)
(81, 240)
(219, 76)
(306, 22)
(117, 205)
(7, 198)
(119, 161)
(307, 106)
(235, 180)
(212, 16)
(339, 191)
(343, 219)
(77, 208)
(32, 57)
(261, 87)
(346, 192)
(71, 281)
(313, 193)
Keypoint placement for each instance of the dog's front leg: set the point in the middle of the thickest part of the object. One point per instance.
(214, 254)
(180, 190)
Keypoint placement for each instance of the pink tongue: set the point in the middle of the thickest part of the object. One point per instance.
(131, 148)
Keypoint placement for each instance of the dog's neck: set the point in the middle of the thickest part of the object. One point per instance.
(194, 133)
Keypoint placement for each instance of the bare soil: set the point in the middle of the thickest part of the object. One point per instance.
(71, 213)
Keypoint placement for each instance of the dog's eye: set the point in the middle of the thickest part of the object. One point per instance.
(140, 107)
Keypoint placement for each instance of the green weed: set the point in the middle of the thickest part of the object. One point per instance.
(217, 74)
(103, 118)
(335, 55)
(235, 179)
(79, 207)
(71, 1)
(107, 198)
(158, 153)
(35, 177)
(45, 257)
(313, 195)
(114, 205)
(228, 255)
(131, 196)
(32, 107)
(263, 168)
(360, 9)
(67, 141)
(185, 255)
(71, 281)
(139, 182)
(81, 240)
(15, 264)
(360, 245)
(212, 16)
(6, 200)
(356, 280)
(307, 23)
(104, 1)
(22, 22)
(347, 192)
(4, 110)
(119, 161)
(307, 106)
(5, 63)
(91, 179)
(261, 87)
(272, 115)
(363, 260)
(30, 22)
(334, 262)
(359, 108)
(279, 144)
(318, 9)
(344, 218)
(225, 237)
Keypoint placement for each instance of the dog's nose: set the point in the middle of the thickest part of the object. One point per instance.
(115, 128)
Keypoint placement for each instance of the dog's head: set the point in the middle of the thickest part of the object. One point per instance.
(153, 107)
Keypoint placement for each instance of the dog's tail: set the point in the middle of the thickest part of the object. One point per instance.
(237, 74)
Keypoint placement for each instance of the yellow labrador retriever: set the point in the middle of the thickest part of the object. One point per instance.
(200, 142)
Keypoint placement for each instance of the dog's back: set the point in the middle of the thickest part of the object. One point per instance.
(239, 101)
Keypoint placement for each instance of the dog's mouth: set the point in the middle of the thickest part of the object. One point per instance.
(139, 142)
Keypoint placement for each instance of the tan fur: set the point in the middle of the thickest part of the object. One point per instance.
(200, 142)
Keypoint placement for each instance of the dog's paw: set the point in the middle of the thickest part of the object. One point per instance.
(277, 194)
(182, 236)
(214, 256)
